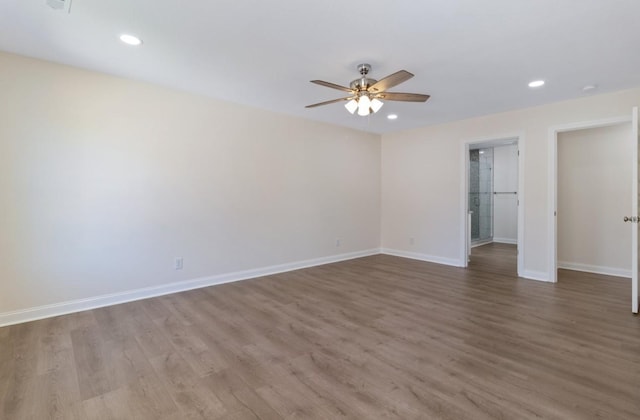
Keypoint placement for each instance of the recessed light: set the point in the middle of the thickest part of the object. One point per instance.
(130, 39)
(536, 83)
(589, 88)
(392, 117)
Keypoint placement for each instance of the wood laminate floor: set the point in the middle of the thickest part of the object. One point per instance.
(495, 258)
(379, 337)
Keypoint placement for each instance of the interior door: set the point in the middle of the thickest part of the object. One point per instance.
(634, 212)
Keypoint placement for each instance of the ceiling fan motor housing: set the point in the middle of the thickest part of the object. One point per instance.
(364, 82)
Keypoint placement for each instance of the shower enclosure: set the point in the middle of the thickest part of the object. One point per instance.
(481, 195)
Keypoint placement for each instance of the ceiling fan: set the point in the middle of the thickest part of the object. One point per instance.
(365, 94)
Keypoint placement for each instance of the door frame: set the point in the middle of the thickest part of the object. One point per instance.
(464, 193)
(635, 139)
(552, 201)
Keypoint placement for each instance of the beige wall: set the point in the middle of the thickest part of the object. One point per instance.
(104, 181)
(422, 171)
(594, 193)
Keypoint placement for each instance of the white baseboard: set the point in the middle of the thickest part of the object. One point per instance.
(509, 241)
(597, 269)
(535, 275)
(422, 257)
(62, 308)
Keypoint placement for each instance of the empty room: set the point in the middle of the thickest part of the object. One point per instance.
(319, 210)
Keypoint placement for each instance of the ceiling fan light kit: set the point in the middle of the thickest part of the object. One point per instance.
(351, 106)
(376, 104)
(367, 94)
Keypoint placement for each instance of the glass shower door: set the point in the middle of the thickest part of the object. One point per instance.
(481, 194)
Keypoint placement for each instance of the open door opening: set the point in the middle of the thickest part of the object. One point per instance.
(628, 126)
(492, 219)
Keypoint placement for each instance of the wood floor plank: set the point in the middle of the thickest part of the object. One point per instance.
(190, 342)
(91, 365)
(58, 397)
(238, 397)
(7, 360)
(56, 348)
(141, 399)
(377, 337)
(186, 388)
(22, 376)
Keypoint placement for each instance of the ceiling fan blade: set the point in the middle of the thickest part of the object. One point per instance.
(329, 102)
(391, 81)
(404, 97)
(332, 85)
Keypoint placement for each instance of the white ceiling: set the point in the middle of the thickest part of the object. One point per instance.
(473, 57)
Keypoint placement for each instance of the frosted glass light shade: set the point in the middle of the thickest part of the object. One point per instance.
(351, 106)
(364, 103)
(376, 104)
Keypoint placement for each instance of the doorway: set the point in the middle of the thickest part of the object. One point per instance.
(492, 201)
(593, 181)
(633, 218)
(573, 257)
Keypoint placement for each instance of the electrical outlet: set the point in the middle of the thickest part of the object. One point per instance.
(338, 243)
(412, 241)
(178, 264)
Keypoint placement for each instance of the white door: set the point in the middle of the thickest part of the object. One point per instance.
(634, 212)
